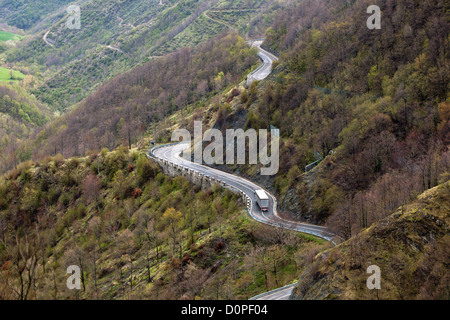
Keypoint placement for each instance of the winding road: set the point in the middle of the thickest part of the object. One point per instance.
(46, 40)
(266, 68)
(172, 153)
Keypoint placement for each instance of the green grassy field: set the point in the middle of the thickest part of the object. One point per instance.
(5, 75)
(5, 36)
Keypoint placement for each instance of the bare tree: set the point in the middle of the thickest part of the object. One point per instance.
(24, 263)
(91, 189)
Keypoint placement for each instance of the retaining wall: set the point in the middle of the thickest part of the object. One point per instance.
(193, 176)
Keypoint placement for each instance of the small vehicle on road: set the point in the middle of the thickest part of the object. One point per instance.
(262, 200)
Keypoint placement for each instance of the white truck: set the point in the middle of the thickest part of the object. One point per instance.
(262, 200)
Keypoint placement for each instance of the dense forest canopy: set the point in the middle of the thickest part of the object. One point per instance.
(324, 41)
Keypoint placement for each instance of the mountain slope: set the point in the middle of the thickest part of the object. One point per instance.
(118, 36)
(135, 234)
(21, 115)
(31, 12)
(124, 108)
(373, 103)
(411, 247)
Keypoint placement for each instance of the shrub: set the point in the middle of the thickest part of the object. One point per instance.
(64, 199)
(219, 246)
(44, 185)
(244, 96)
(68, 180)
(59, 228)
(176, 263)
(234, 93)
(252, 121)
(134, 156)
(53, 196)
(185, 259)
(137, 192)
(73, 164)
(223, 113)
(145, 171)
(59, 160)
(104, 152)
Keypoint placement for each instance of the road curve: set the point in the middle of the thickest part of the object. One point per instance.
(46, 40)
(266, 68)
(172, 154)
(278, 294)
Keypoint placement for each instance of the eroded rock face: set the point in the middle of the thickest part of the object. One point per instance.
(289, 204)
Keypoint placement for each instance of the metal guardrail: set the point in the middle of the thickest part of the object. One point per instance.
(249, 205)
(310, 166)
(257, 69)
(164, 145)
(246, 197)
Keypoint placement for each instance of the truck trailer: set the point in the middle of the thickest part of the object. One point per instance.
(262, 200)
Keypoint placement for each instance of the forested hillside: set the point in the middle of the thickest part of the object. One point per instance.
(126, 107)
(120, 35)
(82, 58)
(374, 103)
(411, 248)
(64, 65)
(364, 119)
(135, 234)
(26, 14)
(20, 116)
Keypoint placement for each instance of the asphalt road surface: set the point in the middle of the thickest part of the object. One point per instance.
(266, 68)
(172, 153)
